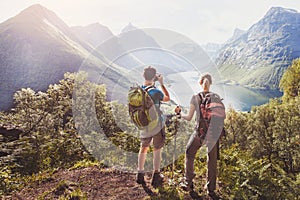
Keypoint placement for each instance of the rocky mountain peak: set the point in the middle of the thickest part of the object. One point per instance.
(35, 18)
(279, 11)
(129, 27)
(276, 18)
(237, 33)
(94, 34)
(259, 56)
(97, 26)
(36, 12)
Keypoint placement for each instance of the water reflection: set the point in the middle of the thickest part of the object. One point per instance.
(183, 85)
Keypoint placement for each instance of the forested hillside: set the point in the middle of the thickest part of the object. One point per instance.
(40, 144)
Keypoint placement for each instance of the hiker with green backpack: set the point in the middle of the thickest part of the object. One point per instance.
(144, 109)
(210, 115)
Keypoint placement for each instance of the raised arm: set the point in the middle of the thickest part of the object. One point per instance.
(163, 88)
(166, 93)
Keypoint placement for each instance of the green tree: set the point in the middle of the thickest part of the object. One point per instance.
(49, 136)
(236, 126)
(290, 81)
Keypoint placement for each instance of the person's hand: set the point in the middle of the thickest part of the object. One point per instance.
(160, 79)
(177, 110)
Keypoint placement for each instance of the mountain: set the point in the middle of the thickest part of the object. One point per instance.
(237, 33)
(135, 48)
(157, 47)
(212, 49)
(133, 37)
(129, 27)
(37, 48)
(101, 39)
(93, 34)
(258, 57)
(143, 47)
(194, 54)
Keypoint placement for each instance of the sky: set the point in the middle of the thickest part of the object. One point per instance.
(204, 21)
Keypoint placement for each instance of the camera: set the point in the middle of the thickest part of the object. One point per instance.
(156, 77)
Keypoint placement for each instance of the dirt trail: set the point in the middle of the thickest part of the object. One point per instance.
(94, 183)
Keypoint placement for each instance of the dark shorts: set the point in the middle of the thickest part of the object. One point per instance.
(158, 140)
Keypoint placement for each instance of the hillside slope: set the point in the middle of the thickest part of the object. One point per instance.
(37, 48)
(259, 56)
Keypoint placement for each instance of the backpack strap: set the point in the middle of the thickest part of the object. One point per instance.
(201, 95)
(199, 98)
(147, 89)
(150, 87)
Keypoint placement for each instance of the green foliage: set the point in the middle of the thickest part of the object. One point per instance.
(236, 123)
(244, 177)
(8, 180)
(49, 138)
(270, 131)
(167, 192)
(290, 81)
(86, 163)
(64, 190)
(77, 194)
(260, 155)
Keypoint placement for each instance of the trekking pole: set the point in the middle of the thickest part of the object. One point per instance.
(175, 137)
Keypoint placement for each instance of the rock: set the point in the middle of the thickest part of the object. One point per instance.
(259, 57)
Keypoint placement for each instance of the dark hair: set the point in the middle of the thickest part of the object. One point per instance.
(149, 73)
(205, 76)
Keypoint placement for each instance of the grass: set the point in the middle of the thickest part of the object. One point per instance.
(86, 163)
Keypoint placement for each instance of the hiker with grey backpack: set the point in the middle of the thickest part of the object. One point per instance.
(144, 109)
(210, 115)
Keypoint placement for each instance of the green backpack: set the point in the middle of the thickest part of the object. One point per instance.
(141, 108)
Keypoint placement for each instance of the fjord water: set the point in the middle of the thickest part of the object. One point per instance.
(183, 85)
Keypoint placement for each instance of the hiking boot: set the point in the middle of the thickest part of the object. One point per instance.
(213, 196)
(187, 186)
(157, 179)
(140, 178)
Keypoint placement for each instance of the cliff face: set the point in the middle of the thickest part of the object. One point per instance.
(259, 56)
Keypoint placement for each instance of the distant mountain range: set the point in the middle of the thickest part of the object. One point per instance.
(93, 34)
(37, 48)
(212, 49)
(259, 56)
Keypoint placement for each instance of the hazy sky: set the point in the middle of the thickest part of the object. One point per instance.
(201, 20)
